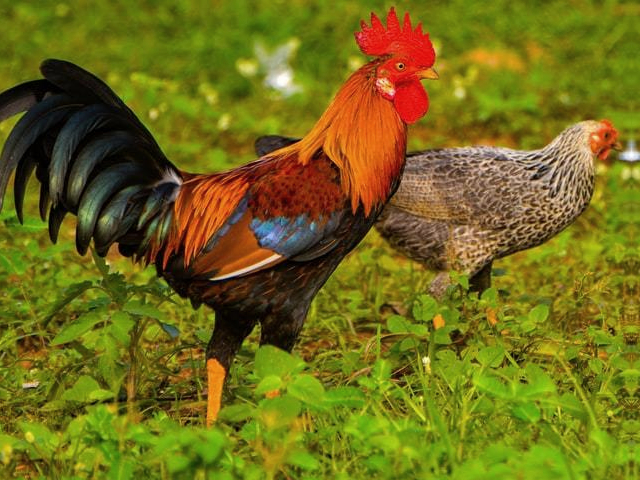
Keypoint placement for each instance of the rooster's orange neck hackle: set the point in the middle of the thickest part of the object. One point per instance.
(370, 159)
(363, 131)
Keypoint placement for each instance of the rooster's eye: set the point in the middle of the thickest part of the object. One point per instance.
(606, 135)
(400, 66)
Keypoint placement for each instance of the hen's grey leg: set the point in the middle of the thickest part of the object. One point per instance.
(481, 280)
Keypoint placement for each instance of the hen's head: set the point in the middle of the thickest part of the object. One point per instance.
(603, 138)
(406, 56)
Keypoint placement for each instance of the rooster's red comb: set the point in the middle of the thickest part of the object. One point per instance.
(376, 40)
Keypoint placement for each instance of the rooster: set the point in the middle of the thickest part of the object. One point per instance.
(462, 208)
(255, 243)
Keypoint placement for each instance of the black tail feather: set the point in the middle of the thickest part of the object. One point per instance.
(22, 97)
(23, 172)
(116, 217)
(56, 216)
(93, 158)
(158, 197)
(86, 87)
(90, 119)
(45, 201)
(101, 188)
(103, 147)
(37, 121)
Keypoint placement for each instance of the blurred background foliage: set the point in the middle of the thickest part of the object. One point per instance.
(511, 72)
(550, 391)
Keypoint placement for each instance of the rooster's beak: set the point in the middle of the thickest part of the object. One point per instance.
(429, 74)
(617, 146)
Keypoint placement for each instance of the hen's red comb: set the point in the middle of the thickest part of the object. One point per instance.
(376, 40)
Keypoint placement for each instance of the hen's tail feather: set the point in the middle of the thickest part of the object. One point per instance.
(93, 158)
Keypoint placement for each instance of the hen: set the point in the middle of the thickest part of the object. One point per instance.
(255, 243)
(461, 208)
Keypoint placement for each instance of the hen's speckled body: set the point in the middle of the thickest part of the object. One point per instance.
(461, 208)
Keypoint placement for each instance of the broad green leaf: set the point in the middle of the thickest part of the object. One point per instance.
(177, 462)
(279, 411)
(397, 324)
(11, 441)
(270, 360)
(236, 413)
(596, 365)
(385, 442)
(81, 325)
(100, 394)
(488, 383)
(136, 307)
(528, 412)
(210, 447)
(498, 453)
(539, 383)
(268, 384)
(441, 336)
(603, 440)
(424, 308)
(307, 389)
(121, 325)
(110, 367)
(71, 293)
(570, 404)
(491, 356)
(490, 295)
(45, 441)
(303, 460)
(350, 397)
(86, 389)
(409, 343)
(539, 313)
(460, 279)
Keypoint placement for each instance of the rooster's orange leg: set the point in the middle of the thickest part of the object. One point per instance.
(216, 374)
(228, 334)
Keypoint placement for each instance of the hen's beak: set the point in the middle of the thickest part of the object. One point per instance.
(429, 74)
(617, 146)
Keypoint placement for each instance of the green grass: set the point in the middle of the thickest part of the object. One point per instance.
(550, 391)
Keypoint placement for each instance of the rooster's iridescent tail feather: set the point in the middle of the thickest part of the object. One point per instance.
(92, 157)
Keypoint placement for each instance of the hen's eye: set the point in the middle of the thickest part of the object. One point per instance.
(606, 135)
(400, 66)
